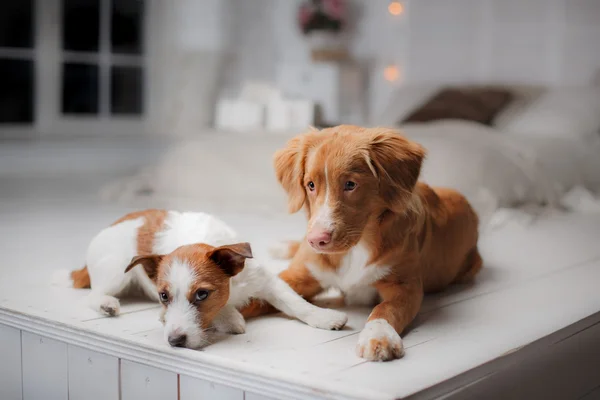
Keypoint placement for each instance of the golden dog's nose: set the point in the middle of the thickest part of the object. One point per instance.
(318, 239)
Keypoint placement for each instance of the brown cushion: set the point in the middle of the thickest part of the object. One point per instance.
(478, 105)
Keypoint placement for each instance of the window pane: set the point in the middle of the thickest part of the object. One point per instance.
(80, 88)
(16, 91)
(126, 85)
(126, 26)
(16, 23)
(81, 25)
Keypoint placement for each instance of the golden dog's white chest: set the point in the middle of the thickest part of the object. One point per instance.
(353, 272)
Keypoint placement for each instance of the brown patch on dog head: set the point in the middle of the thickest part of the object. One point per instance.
(350, 177)
(210, 269)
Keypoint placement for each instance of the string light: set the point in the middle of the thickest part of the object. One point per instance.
(396, 8)
(391, 73)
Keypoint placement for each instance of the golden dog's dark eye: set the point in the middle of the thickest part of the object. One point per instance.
(164, 297)
(201, 295)
(349, 186)
(311, 186)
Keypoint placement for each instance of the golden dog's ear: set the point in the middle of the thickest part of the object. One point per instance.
(289, 164)
(396, 161)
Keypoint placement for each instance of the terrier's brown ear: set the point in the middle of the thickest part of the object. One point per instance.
(149, 262)
(231, 258)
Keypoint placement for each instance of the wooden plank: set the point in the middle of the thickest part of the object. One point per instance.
(140, 381)
(592, 395)
(127, 324)
(200, 389)
(255, 396)
(568, 369)
(45, 373)
(10, 367)
(511, 305)
(92, 375)
(472, 330)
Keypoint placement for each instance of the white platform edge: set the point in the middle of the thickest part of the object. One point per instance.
(210, 368)
(483, 371)
(235, 374)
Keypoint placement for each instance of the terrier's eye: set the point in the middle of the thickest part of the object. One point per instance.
(164, 297)
(349, 186)
(311, 186)
(201, 295)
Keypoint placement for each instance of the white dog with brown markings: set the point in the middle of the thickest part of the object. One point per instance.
(193, 264)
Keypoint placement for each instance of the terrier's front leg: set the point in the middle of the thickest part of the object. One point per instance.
(284, 298)
(229, 320)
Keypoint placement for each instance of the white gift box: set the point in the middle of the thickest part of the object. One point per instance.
(236, 114)
(285, 115)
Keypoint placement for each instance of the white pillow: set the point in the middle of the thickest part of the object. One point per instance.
(560, 112)
(523, 97)
(482, 164)
(214, 172)
(403, 101)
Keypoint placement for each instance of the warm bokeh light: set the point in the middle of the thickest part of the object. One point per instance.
(396, 8)
(391, 73)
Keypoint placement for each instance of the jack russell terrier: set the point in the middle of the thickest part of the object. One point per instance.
(193, 265)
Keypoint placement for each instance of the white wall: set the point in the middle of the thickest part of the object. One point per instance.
(194, 39)
(528, 41)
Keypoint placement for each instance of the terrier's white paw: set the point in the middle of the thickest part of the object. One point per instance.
(230, 321)
(324, 318)
(110, 306)
(379, 341)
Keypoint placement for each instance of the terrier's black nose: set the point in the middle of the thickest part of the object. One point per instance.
(177, 340)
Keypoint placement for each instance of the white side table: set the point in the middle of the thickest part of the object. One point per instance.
(337, 89)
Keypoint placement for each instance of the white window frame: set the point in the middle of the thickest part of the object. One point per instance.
(48, 56)
(18, 130)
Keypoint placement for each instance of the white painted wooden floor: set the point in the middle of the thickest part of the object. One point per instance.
(540, 286)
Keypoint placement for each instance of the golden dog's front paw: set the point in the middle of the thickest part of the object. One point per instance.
(379, 341)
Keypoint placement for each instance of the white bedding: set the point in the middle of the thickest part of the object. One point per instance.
(498, 169)
(223, 172)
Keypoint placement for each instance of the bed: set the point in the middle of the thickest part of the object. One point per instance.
(529, 326)
(540, 148)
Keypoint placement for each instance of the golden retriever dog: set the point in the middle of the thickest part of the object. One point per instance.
(374, 232)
